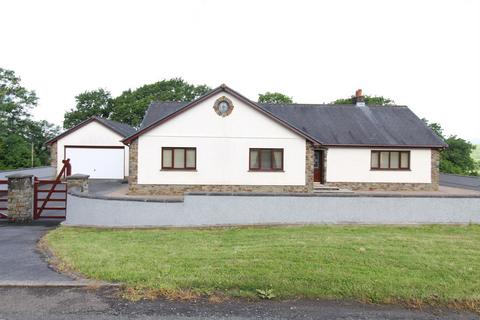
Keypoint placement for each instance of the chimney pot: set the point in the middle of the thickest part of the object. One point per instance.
(359, 98)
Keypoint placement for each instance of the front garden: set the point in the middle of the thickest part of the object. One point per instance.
(420, 264)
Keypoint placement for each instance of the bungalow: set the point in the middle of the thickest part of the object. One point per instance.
(224, 142)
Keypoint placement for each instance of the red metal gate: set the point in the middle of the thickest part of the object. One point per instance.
(52, 193)
(50, 199)
(3, 199)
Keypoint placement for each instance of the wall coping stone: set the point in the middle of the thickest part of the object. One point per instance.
(19, 176)
(330, 194)
(75, 192)
(78, 176)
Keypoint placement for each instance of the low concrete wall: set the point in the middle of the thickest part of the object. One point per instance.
(244, 209)
(40, 172)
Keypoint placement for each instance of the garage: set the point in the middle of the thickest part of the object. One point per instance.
(98, 162)
(94, 147)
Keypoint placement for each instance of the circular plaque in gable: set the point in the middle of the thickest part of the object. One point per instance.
(223, 106)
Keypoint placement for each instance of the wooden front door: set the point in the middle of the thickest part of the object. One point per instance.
(318, 166)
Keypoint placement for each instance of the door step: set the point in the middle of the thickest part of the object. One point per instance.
(319, 188)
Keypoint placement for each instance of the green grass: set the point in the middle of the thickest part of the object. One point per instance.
(374, 263)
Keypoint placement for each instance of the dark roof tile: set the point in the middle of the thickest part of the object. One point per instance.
(337, 124)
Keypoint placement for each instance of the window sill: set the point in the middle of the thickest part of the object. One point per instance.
(390, 169)
(266, 170)
(188, 170)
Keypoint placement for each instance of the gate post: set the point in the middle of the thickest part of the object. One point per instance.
(20, 198)
(78, 181)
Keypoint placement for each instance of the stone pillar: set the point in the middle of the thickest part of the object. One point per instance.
(435, 167)
(309, 166)
(20, 198)
(133, 166)
(78, 181)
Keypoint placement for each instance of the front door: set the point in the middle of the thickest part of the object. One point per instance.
(318, 166)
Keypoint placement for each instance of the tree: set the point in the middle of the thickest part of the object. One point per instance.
(18, 132)
(274, 97)
(38, 133)
(131, 105)
(15, 102)
(15, 152)
(457, 158)
(369, 100)
(88, 104)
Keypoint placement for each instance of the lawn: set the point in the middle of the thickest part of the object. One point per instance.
(439, 264)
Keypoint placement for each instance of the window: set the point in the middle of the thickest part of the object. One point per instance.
(266, 159)
(179, 158)
(390, 160)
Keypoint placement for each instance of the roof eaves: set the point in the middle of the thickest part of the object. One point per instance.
(127, 140)
(78, 126)
(239, 96)
(100, 120)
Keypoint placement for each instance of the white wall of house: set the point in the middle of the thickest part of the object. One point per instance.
(92, 134)
(223, 145)
(353, 165)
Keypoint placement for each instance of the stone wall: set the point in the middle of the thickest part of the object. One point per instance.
(380, 186)
(171, 189)
(53, 155)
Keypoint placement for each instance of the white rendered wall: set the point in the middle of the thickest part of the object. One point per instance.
(353, 165)
(222, 147)
(92, 134)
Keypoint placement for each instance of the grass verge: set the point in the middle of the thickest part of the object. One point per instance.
(437, 265)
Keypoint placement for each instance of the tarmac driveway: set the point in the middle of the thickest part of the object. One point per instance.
(20, 260)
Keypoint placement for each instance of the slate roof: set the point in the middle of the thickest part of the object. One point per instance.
(121, 128)
(159, 110)
(334, 125)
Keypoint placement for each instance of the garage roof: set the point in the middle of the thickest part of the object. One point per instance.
(121, 128)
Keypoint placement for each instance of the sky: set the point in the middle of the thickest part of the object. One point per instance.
(424, 54)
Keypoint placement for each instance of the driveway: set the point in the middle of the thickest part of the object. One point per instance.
(457, 181)
(20, 260)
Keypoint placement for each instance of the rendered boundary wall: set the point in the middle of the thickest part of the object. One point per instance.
(204, 209)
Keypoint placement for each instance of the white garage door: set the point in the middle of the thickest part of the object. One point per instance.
(99, 163)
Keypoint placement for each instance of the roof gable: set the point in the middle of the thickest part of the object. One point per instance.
(121, 129)
(173, 109)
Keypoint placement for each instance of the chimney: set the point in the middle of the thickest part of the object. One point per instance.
(359, 98)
